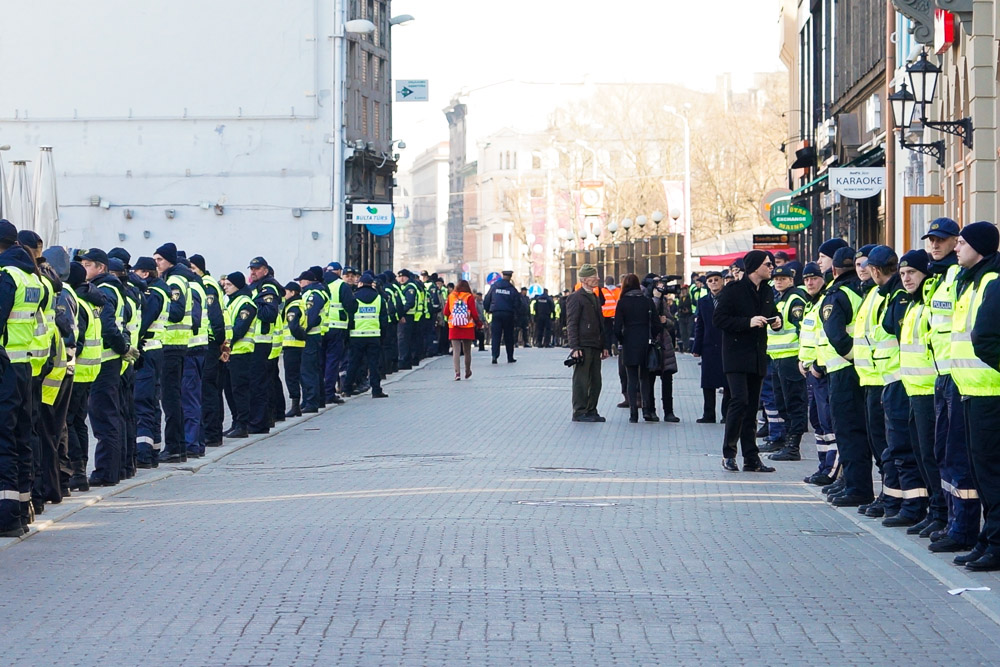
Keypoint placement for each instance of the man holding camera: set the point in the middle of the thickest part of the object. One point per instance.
(585, 331)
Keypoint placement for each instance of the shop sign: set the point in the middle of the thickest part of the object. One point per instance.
(857, 183)
(789, 217)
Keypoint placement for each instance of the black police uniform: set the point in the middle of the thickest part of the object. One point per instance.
(105, 393)
(503, 302)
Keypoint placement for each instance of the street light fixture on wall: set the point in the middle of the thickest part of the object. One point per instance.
(923, 76)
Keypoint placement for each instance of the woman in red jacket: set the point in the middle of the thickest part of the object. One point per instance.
(463, 320)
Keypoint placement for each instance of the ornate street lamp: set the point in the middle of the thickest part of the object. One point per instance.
(903, 105)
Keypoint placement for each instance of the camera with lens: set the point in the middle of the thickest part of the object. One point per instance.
(668, 284)
(572, 361)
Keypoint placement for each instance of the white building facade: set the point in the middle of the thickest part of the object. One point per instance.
(208, 124)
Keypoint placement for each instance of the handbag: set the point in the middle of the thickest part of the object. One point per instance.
(654, 355)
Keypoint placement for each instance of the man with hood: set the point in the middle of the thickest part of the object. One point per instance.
(369, 321)
(20, 301)
(105, 394)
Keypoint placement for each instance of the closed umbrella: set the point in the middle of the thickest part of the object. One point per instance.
(4, 197)
(22, 208)
(46, 216)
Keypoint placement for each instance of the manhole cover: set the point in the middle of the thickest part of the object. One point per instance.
(830, 533)
(583, 471)
(564, 503)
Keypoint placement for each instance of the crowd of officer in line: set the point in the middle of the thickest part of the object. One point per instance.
(894, 362)
(142, 355)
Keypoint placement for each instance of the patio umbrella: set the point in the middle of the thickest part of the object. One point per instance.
(46, 217)
(4, 197)
(22, 209)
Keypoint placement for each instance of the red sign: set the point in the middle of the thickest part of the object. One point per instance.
(944, 30)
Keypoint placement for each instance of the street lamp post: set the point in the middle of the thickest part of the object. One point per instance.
(687, 188)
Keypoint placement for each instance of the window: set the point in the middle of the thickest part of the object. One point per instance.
(364, 68)
(537, 192)
(508, 159)
(376, 66)
(378, 121)
(364, 116)
(497, 246)
(536, 161)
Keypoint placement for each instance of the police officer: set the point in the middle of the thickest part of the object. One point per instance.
(906, 485)
(293, 341)
(218, 334)
(20, 300)
(341, 305)
(88, 364)
(242, 312)
(370, 319)
(315, 301)
(818, 387)
(390, 337)
(179, 330)
(105, 394)
(543, 311)
(151, 334)
(918, 375)
(503, 303)
(421, 318)
(824, 259)
(950, 444)
(132, 297)
(266, 294)
(839, 310)
(790, 390)
(407, 329)
(975, 352)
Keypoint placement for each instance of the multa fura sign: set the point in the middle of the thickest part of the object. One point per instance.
(789, 217)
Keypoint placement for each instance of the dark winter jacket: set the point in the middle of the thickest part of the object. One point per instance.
(744, 348)
(636, 322)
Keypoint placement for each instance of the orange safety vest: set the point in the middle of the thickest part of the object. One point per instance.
(610, 301)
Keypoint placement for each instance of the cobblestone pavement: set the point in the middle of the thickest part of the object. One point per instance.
(472, 522)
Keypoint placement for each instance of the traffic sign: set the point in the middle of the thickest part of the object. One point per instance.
(411, 90)
(492, 278)
(534, 289)
(466, 275)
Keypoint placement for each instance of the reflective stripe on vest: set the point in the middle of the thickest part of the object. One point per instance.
(243, 345)
(885, 346)
(971, 375)
(88, 363)
(179, 333)
(939, 295)
(293, 310)
(45, 328)
(826, 356)
(785, 342)
(213, 295)
(809, 333)
(916, 365)
(309, 297)
(259, 337)
(199, 337)
(366, 320)
(337, 318)
(158, 327)
(862, 332)
(107, 354)
(610, 301)
(20, 332)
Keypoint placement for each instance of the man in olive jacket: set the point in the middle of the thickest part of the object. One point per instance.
(744, 310)
(585, 331)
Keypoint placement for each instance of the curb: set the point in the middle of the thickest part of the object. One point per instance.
(952, 576)
(87, 499)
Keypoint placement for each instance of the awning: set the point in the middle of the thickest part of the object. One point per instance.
(729, 258)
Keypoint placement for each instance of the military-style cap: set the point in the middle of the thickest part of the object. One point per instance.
(942, 228)
(844, 258)
(350, 271)
(812, 270)
(507, 274)
(121, 253)
(881, 257)
(257, 263)
(29, 239)
(8, 232)
(116, 265)
(714, 274)
(784, 272)
(865, 250)
(334, 266)
(293, 286)
(96, 255)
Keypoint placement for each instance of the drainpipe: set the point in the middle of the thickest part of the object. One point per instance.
(890, 137)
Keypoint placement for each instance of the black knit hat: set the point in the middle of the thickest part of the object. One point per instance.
(982, 236)
(168, 251)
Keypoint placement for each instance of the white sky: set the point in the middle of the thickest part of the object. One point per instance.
(470, 43)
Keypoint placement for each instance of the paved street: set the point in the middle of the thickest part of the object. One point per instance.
(472, 522)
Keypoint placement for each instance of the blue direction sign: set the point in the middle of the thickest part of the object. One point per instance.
(534, 290)
(492, 278)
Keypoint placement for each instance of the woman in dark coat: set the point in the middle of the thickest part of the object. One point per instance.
(668, 359)
(708, 346)
(636, 322)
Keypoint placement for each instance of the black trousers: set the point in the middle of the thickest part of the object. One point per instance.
(149, 420)
(667, 382)
(47, 485)
(127, 389)
(78, 444)
(404, 332)
(292, 359)
(708, 394)
(847, 404)
(741, 417)
(790, 394)
(543, 332)
(922, 436)
(105, 420)
(311, 396)
(15, 443)
(638, 389)
(171, 377)
(503, 328)
(211, 395)
(364, 351)
(277, 393)
(240, 373)
(390, 349)
(982, 422)
(260, 392)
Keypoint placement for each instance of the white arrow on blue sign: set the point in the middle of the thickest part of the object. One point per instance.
(411, 90)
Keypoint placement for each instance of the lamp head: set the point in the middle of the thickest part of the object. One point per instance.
(923, 76)
(903, 103)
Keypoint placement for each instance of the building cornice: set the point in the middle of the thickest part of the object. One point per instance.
(921, 14)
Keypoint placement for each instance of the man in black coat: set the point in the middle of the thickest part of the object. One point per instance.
(708, 347)
(745, 308)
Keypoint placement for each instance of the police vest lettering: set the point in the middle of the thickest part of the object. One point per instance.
(22, 320)
(366, 320)
(939, 292)
(88, 362)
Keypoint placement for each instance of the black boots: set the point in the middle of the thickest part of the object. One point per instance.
(295, 410)
(790, 450)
